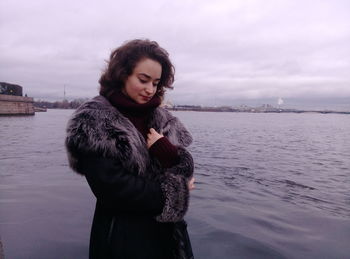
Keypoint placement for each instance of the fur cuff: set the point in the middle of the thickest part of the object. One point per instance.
(176, 193)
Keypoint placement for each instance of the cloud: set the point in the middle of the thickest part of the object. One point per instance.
(222, 50)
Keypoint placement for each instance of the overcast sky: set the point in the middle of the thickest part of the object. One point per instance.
(222, 50)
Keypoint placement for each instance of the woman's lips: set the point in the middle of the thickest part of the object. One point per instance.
(146, 98)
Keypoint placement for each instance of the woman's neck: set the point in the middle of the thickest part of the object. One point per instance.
(138, 114)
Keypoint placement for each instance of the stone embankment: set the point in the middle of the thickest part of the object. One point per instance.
(16, 105)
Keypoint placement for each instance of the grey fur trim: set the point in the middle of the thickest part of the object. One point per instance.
(176, 192)
(97, 127)
(172, 128)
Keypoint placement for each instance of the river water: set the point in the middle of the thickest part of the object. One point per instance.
(267, 186)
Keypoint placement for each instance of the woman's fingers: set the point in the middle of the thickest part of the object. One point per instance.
(152, 137)
(152, 131)
(191, 184)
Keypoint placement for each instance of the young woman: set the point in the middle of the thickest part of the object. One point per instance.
(133, 155)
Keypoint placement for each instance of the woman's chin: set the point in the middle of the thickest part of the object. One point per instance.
(142, 101)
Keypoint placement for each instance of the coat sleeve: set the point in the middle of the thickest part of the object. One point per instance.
(118, 189)
(185, 166)
(179, 136)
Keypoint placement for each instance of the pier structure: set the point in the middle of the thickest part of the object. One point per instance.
(12, 102)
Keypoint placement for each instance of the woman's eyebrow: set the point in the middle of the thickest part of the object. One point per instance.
(148, 76)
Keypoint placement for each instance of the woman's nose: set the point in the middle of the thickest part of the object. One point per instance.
(149, 88)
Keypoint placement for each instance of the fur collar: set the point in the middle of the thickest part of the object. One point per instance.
(98, 128)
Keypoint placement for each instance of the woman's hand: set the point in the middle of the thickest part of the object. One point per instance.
(191, 184)
(152, 137)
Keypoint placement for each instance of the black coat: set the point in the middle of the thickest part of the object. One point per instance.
(140, 206)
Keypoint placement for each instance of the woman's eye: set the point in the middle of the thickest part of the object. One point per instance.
(143, 81)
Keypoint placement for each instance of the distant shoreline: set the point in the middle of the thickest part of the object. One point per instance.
(264, 108)
(254, 110)
(241, 111)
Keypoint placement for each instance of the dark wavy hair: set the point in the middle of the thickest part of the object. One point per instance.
(123, 60)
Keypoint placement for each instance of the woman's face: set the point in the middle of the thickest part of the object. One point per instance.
(142, 84)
